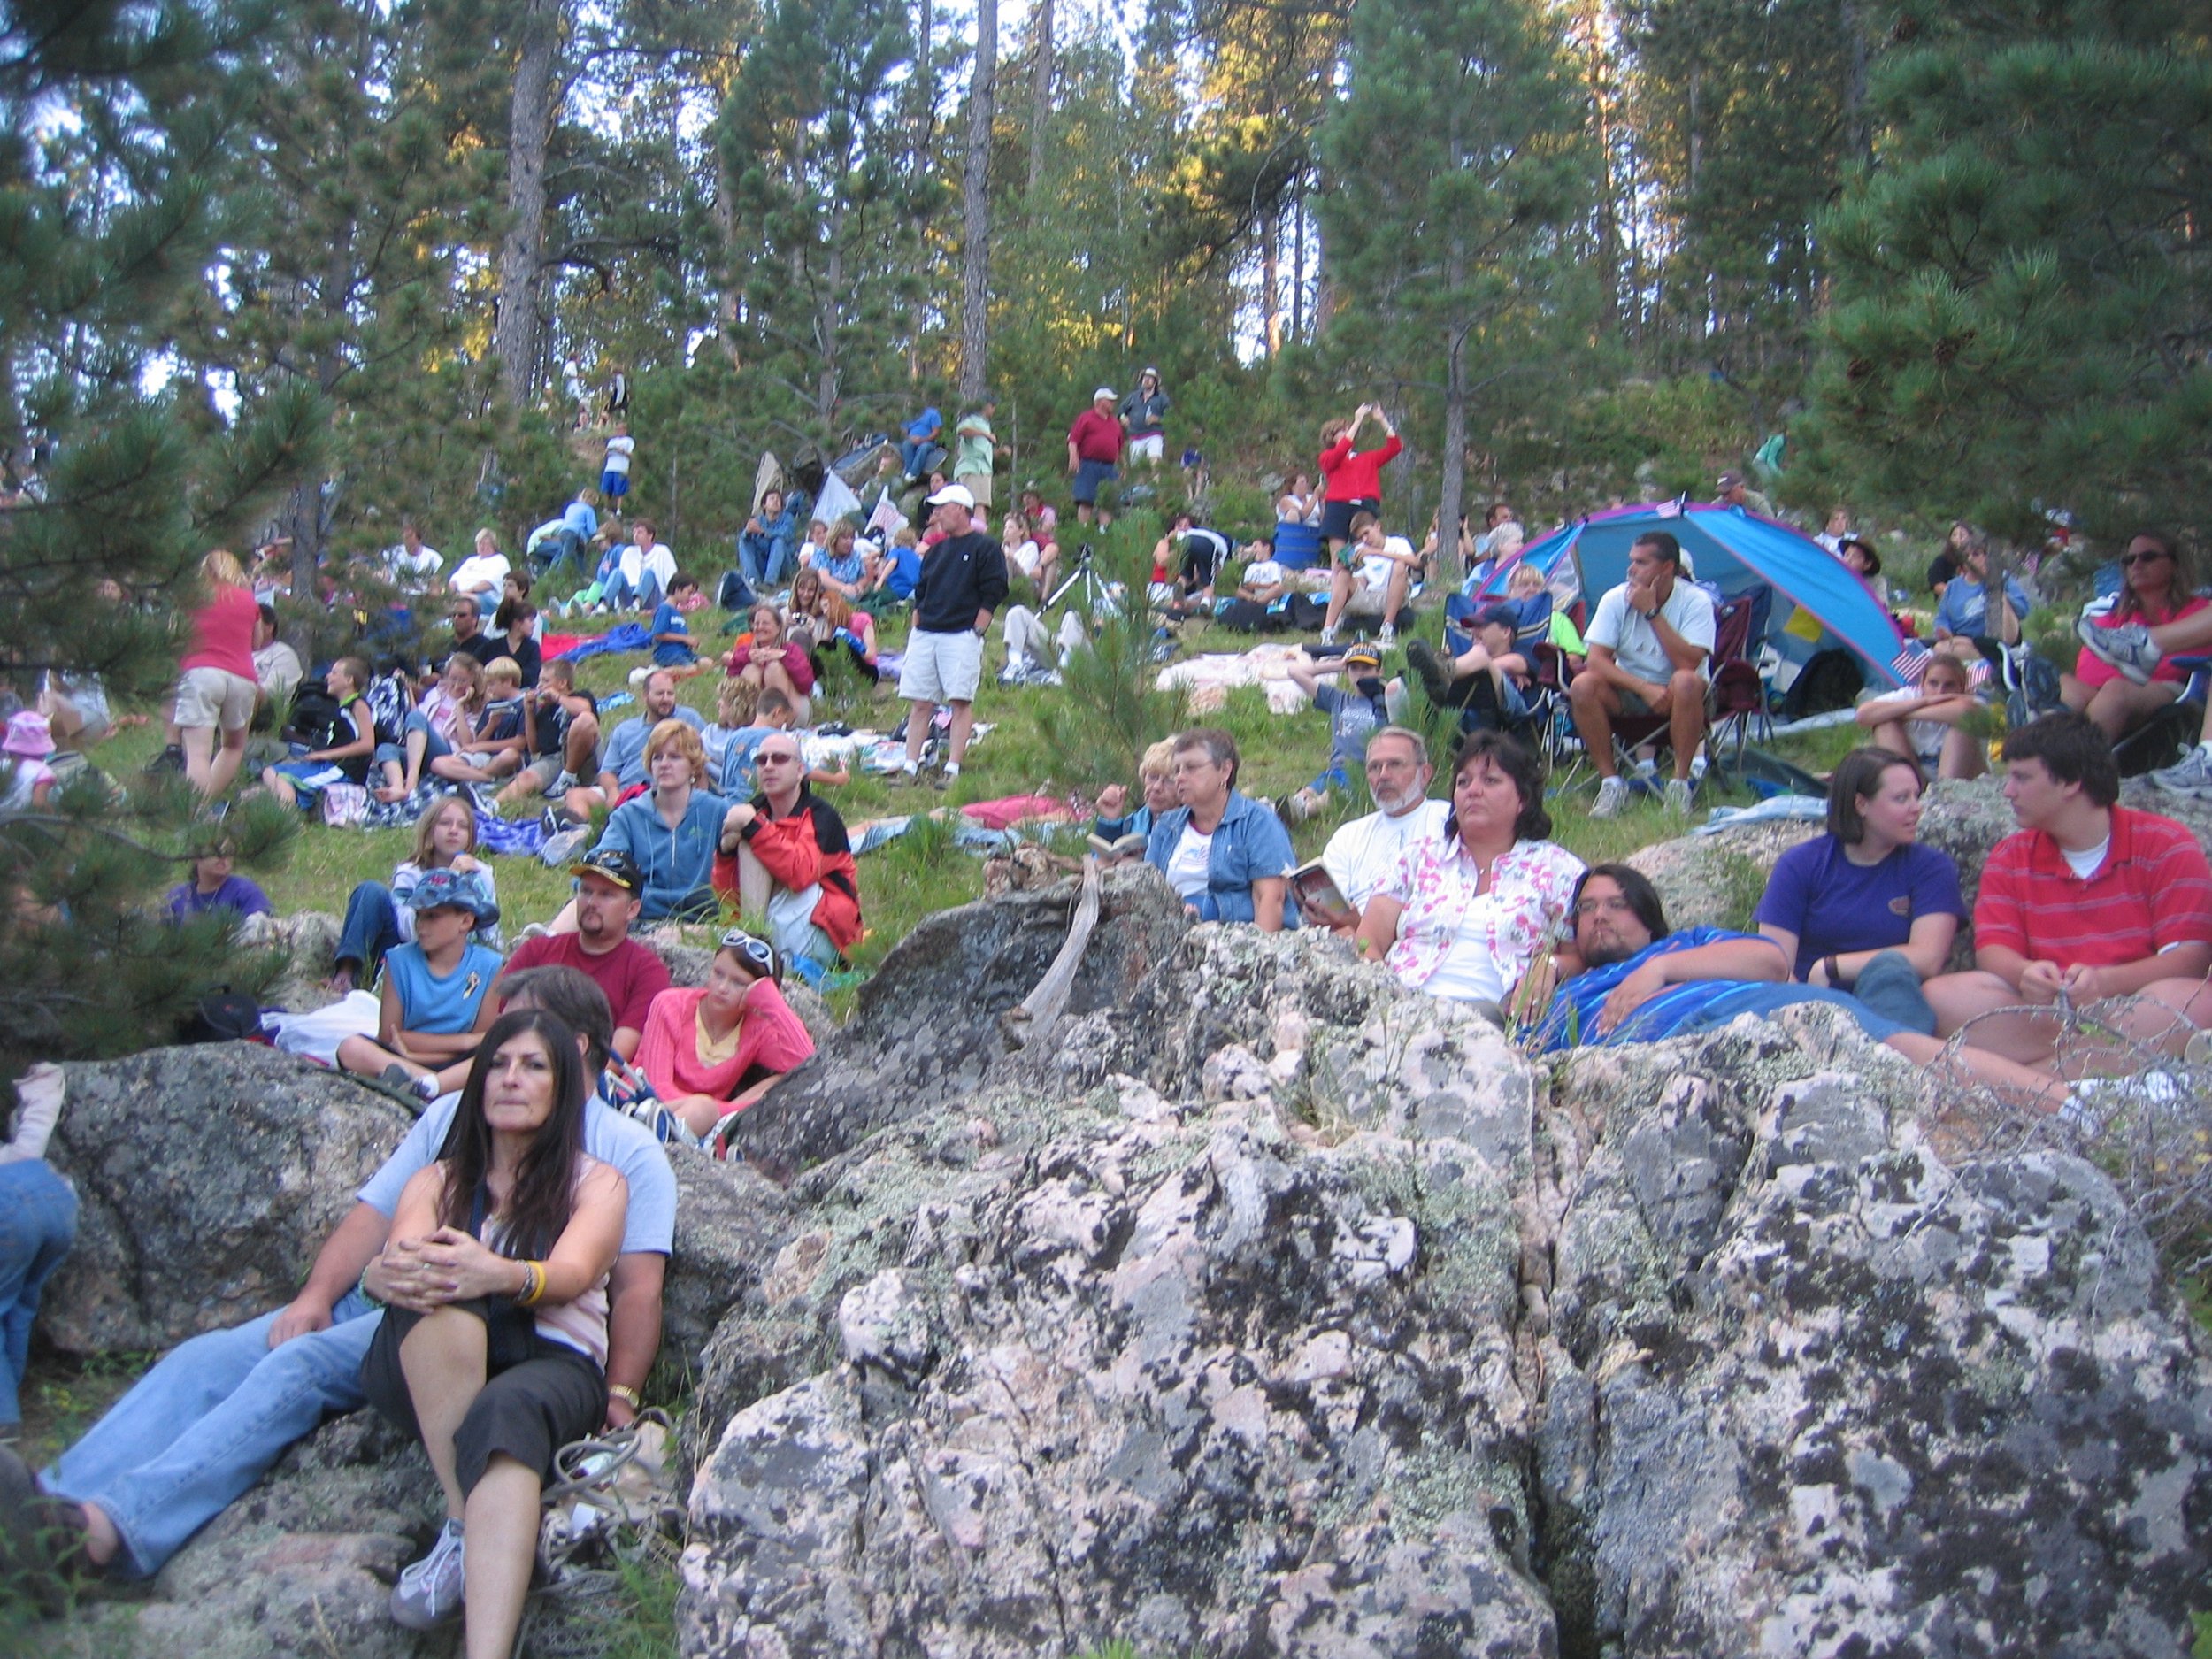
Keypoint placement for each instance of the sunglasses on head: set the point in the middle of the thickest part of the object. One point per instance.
(759, 952)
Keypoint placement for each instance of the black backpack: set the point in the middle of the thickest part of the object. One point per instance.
(317, 720)
(223, 1015)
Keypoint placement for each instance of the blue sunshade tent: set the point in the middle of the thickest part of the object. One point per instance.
(1735, 551)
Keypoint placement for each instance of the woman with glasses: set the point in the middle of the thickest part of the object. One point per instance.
(1465, 913)
(711, 1050)
(2156, 588)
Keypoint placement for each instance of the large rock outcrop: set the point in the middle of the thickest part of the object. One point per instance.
(1267, 1308)
(207, 1178)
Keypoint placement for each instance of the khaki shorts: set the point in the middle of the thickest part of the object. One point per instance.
(215, 697)
(941, 667)
(977, 485)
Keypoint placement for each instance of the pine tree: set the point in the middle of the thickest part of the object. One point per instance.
(118, 126)
(1464, 163)
(2022, 297)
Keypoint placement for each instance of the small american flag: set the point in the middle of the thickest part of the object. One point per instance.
(1910, 661)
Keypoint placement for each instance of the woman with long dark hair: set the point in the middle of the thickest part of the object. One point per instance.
(1465, 913)
(501, 1359)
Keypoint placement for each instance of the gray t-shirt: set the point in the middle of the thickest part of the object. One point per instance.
(648, 1229)
(1635, 644)
(626, 744)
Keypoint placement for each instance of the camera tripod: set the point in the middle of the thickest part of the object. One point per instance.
(1098, 594)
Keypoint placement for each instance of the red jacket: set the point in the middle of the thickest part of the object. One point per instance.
(1348, 477)
(808, 846)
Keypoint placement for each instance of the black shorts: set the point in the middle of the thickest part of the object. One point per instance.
(540, 1394)
(1336, 517)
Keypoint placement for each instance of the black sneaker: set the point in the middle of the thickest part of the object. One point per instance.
(170, 759)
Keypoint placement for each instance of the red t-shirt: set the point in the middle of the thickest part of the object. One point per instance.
(222, 633)
(1348, 477)
(1097, 437)
(2153, 890)
(630, 974)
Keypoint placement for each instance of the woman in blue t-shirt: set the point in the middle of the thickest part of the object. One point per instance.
(1864, 908)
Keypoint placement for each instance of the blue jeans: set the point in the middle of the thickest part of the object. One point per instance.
(202, 1426)
(434, 746)
(1889, 985)
(38, 1223)
(372, 928)
(763, 559)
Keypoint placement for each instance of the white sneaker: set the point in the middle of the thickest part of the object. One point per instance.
(1678, 796)
(429, 1593)
(2191, 776)
(1386, 636)
(1612, 797)
(638, 677)
(1328, 636)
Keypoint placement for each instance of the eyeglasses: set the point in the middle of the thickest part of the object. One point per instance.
(759, 952)
(1591, 907)
(2129, 560)
(777, 758)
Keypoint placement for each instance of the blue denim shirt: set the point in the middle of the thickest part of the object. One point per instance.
(1248, 843)
(772, 545)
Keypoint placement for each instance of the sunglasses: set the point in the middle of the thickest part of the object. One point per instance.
(2129, 560)
(759, 952)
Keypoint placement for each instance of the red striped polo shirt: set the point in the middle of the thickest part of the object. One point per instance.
(2153, 890)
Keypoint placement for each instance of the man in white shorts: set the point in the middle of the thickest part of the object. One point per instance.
(963, 582)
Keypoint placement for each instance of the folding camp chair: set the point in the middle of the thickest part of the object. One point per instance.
(2173, 731)
(1735, 693)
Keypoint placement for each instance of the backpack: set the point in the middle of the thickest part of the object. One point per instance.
(317, 720)
(389, 705)
(223, 1015)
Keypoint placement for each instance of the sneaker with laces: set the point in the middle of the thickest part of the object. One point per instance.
(1612, 797)
(2191, 777)
(558, 849)
(429, 1593)
(2128, 648)
(561, 786)
(1328, 636)
(1678, 796)
(1386, 636)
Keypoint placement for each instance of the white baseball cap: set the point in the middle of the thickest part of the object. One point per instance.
(954, 496)
(1103, 391)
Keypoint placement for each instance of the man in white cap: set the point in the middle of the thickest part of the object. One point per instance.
(1144, 417)
(963, 581)
(1094, 443)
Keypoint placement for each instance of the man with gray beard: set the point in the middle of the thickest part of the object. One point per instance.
(1361, 854)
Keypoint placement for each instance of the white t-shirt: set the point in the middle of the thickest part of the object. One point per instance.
(1264, 574)
(2089, 860)
(618, 451)
(1635, 644)
(1374, 569)
(658, 559)
(1190, 865)
(1361, 855)
(480, 571)
(410, 568)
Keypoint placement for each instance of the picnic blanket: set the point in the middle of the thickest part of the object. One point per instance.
(1209, 679)
(627, 636)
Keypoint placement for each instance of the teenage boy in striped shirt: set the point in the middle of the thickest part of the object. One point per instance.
(2088, 900)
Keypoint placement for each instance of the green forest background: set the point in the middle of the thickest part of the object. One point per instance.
(303, 267)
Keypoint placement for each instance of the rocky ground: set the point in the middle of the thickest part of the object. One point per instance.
(1260, 1308)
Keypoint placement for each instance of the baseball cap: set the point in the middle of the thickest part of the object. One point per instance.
(1362, 656)
(610, 864)
(1103, 391)
(1504, 616)
(1729, 480)
(954, 496)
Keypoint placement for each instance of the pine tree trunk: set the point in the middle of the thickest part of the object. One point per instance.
(726, 229)
(520, 339)
(1271, 282)
(1858, 137)
(975, 205)
(1298, 264)
(1040, 94)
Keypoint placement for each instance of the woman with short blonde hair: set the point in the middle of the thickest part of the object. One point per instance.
(216, 694)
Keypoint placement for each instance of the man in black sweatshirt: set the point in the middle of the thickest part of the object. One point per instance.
(963, 581)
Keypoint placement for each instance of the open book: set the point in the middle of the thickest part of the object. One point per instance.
(1126, 846)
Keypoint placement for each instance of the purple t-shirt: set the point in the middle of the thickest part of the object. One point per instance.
(1834, 906)
(237, 894)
